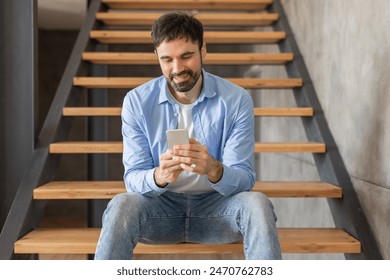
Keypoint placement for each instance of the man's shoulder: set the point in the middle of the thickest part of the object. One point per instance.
(223, 87)
(144, 96)
(218, 81)
(148, 88)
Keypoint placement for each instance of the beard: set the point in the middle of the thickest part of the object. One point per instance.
(185, 85)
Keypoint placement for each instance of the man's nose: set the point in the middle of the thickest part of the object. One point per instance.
(178, 66)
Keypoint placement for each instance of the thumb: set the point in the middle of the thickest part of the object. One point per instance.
(193, 141)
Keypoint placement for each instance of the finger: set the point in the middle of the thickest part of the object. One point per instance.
(193, 141)
(192, 167)
(184, 159)
(167, 155)
(165, 164)
(189, 150)
(194, 145)
(170, 167)
(182, 153)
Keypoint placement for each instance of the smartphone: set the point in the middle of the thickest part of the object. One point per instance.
(177, 137)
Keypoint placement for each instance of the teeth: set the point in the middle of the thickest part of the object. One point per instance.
(181, 78)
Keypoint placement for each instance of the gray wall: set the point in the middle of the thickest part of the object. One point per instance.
(346, 46)
(55, 47)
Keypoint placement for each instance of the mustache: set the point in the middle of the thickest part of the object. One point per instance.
(182, 73)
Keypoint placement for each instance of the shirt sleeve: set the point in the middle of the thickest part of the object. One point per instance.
(238, 151)
(137, 159)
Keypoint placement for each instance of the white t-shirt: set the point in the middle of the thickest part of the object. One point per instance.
(189, 182)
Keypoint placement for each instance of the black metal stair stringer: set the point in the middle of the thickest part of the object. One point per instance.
(42, 166)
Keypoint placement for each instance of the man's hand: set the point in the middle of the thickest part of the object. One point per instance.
(168, 171)
(196, 158)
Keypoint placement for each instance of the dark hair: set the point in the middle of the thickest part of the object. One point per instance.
(177, 25)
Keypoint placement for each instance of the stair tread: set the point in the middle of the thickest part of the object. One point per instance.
(211, 58)
(287, 112)
(298, 189)
(290, 147)
(132, 82)
(207, 19)
(116, 111)
(108, 189)
(84, 240)
(85, 147)
(210, 37)
(189, 4)
(92, 111)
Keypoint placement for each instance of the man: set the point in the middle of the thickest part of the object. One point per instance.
(197, 192)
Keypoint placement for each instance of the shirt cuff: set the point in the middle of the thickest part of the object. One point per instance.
(223, 185)
(152, 183)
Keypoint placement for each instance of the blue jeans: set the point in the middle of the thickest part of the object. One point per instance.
(175, 218)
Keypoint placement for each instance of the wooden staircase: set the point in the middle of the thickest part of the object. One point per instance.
(231, 18)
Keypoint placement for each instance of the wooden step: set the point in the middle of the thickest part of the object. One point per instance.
(96, 147)
(189, 4)
(108, 189)
(207, 19)
(210, 37)
(84, 240)
(116, 112)
(127, 83)
(284, 112)
(79, 147)
(91, 111)
(290, 147)
(298, 189)
(211, 58)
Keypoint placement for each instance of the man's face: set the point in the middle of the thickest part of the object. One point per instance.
(181, 63)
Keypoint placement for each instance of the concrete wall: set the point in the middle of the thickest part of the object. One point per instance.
(61, 14)
(346, 46)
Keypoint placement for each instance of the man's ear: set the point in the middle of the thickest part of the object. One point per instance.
(204, 51)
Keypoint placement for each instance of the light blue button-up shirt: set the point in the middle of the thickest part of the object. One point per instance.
(223, 121)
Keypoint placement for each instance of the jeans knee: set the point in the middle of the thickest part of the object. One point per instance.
(254, 198)
(258, 204)
(123, 205)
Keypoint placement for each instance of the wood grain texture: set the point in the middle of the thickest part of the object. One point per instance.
(116, 112)
(80, 147)
(210, 37)
(207, 19)
(122, 58)
(108, 189)
(189, 4)
(84, 147)
(84, 240)
(288, 147)
(132, 82)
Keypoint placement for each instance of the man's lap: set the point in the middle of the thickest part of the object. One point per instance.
(173, 217)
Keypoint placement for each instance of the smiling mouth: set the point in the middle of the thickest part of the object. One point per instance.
(181, 78)
(183, 81)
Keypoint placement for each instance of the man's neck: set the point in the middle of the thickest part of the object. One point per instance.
(190, 96)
